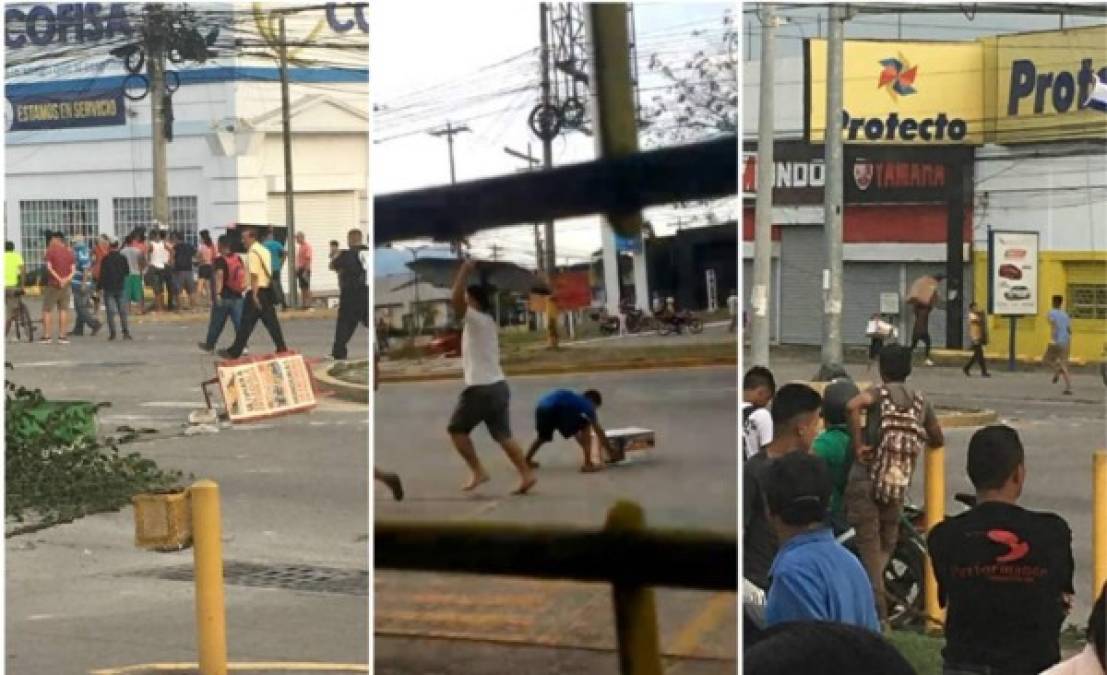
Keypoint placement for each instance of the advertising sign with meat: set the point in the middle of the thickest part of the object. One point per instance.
(1013, 273)
(265, 387)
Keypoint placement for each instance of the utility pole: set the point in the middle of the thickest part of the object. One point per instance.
(532, 164)
(766, 172)
(286, 130)
(547, 141)
(156, 29)
(833, 198)
(449, 132)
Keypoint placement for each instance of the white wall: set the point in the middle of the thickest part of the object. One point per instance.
(1062, 196)
(788, 110)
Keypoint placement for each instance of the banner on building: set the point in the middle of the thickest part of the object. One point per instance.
(1042, 85)
(64, 111)
(265, 387)
(1013, 273)
(900, 93)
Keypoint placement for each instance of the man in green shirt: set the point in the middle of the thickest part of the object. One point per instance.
(834, 444)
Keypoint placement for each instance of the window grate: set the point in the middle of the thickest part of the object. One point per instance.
(68, 216)
(133, 212)
(1088, 301)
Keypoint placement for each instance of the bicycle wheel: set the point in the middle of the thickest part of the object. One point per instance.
(24, 323)
(903, 584)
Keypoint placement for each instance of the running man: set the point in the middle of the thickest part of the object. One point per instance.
(1057, 353)
(486, 397)
(574, 415)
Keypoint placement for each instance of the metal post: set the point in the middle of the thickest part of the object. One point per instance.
(935, 508)
(289, 210)
(1099, 522)
(532, 164)
(766, 164)
(207, 555)
(155, 68)
(832, 206)
(955, 254)
(547, 143)
(635, 612)
(1011, 342)
(449, 132)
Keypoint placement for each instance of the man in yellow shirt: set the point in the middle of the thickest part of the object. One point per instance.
(260, 301)
(13, 280)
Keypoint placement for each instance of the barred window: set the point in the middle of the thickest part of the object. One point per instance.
(68, 216)
(132, 212)
(1088, 301)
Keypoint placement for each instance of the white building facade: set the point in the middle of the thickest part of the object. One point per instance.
(79, 151)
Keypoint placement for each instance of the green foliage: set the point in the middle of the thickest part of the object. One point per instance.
(56, 471)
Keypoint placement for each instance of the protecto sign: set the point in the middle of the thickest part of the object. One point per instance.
(1041, 85)
(900, 93)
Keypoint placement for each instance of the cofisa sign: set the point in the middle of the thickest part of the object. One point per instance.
(69, 23)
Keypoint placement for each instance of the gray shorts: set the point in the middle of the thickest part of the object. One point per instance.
(184, 281)
(487, 403)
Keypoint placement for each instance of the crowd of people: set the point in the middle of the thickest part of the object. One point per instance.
(1004, 572)
(242, 288)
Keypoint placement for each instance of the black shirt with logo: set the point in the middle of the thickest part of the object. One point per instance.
(1001, 572)
(759, 541)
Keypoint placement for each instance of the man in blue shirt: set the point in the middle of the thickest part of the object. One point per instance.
(813, 577)
(82, 289)
(277, 253)
(1060, 337)
(574, 415)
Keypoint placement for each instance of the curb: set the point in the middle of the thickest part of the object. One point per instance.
(202, 317)
(569, 369)
(343, 390)
(963, 420)
(256, 666)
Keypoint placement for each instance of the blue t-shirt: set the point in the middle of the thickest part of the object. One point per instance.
(814, 578)
(82, 256)
(276, 250)
(1061, 324)
(568, 403)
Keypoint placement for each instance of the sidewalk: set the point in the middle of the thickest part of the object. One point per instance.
(200, 315)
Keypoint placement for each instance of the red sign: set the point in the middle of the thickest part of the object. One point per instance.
(572, 290)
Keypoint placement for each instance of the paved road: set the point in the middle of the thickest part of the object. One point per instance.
(80, 596)
(1059, 433)
(687, 481)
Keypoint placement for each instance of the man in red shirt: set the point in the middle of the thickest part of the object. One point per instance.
(303, 268)
(61, 265)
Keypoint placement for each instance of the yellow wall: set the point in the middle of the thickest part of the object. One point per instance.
(1057, 270)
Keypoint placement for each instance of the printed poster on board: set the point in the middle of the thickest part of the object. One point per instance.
(265, 387)
(1013, 273)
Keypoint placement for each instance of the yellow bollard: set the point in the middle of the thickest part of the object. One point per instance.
(935, 508)
(635, 611)
(207, 543)
(1099, 522)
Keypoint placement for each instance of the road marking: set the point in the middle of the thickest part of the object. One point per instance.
(246, 665)
(709, 618)
(466, 619)
(48, 364)
(171, 404)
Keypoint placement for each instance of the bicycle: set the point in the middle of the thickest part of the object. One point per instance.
(20, 318)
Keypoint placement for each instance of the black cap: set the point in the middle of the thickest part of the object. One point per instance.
(798, 487)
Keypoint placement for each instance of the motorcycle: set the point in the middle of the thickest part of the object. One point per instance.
(609, 325)
(675, 323)
(637, 321)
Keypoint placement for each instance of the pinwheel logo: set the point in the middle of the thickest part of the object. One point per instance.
(898, 76)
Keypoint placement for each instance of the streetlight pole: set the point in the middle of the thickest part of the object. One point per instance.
(286, 131)
(766, 171)
(833, 197)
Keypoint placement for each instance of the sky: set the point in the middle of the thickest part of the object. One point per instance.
(479, 65)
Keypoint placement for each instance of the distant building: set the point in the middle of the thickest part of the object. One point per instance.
(394, 302)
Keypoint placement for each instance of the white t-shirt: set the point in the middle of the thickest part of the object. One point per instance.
(480, 349)
(757, 429)
(732, 305)
(159, 255)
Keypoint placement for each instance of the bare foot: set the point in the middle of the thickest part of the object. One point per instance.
(476, 480)
(526, 485)
(591, 468)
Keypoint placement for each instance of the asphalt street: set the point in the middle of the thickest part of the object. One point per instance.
(81, 596)
(1059, 434)
(687, 481)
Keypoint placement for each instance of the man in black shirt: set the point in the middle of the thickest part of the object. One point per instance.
(183, 278)
(795, 425)
(1004, 572)
(353, 293)
(113, 276)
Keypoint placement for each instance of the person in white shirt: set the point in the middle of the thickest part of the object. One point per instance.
(758, 389)
(486, 397)
(732, 308)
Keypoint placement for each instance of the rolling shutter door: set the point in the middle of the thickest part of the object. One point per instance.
(321, 216)
(803, 257)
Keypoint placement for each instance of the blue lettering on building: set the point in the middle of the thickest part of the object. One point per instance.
(343, 25)
(1062, 89)
(67, 23)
